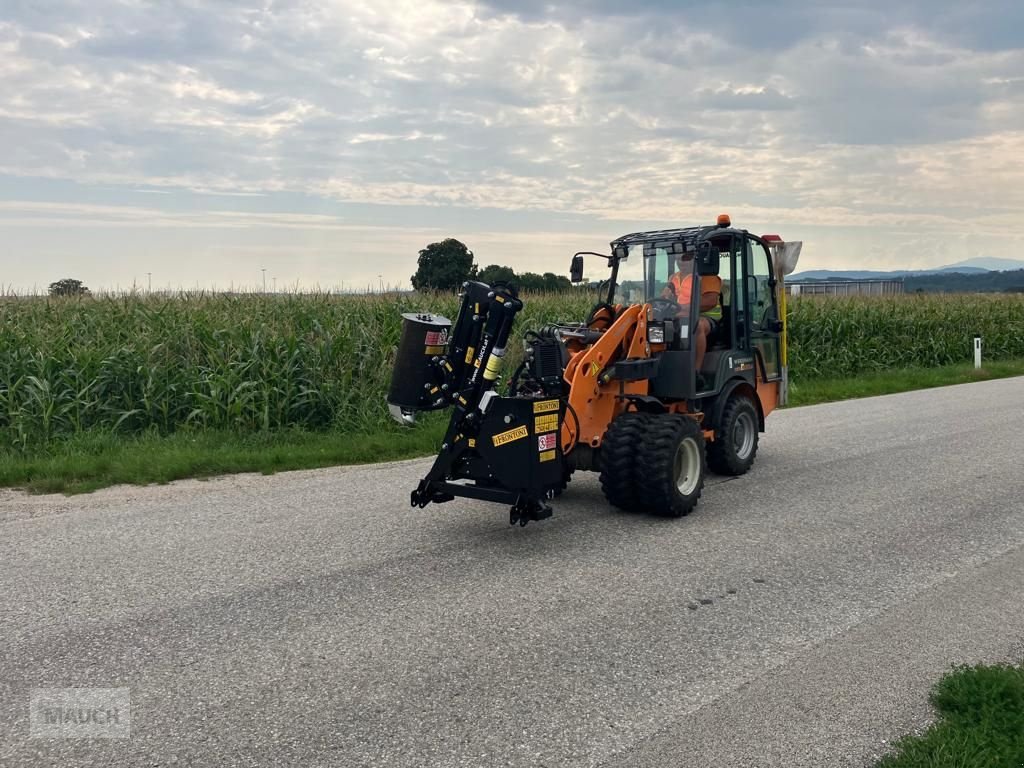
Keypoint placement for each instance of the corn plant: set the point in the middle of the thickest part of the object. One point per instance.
(134, 363)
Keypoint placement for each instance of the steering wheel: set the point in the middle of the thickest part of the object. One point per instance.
(665, 309)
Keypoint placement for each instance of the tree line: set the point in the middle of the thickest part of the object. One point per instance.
(446, 265)
(1010, 281)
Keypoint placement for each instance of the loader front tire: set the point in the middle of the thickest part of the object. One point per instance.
(618, 460)
(735, 445)
(671, 465)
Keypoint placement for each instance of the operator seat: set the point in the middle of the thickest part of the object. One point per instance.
(714, 309)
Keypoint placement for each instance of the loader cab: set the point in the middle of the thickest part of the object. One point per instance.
(747, 314)
(745, 317)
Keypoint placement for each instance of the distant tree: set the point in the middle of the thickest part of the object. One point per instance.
(553, 282)
(68, 287)
(444, 266)
(495, 273)
(531, 282)
(958, 282)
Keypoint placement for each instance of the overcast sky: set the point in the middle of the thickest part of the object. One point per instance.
(328, 141)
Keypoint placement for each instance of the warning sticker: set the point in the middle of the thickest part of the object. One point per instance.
(436, 338)
(545, 406)
(503, 438)
(547, 456)
(434, 349)
(547, 423)
(546, 442)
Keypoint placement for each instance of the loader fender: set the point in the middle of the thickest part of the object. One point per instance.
(736, 386)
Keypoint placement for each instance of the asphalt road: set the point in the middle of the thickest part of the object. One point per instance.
(314, 618)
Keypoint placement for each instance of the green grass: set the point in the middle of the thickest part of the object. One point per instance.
(980, 725)
(90, 461)
(809, 392)
(94, 460)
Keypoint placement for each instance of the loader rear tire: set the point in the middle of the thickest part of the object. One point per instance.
(618, 460)
(671, 465)
(735, 445)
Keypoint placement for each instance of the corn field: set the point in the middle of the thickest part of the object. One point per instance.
(840, 337)
(243, 362)
(132, 363)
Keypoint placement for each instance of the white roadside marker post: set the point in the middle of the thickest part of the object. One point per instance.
(977, 351)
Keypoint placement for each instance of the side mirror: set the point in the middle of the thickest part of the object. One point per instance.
(707, 259)
(576, 270)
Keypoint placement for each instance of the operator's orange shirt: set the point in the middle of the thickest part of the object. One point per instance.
(682, 287)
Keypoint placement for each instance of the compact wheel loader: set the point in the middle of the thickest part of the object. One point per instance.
(672, 373)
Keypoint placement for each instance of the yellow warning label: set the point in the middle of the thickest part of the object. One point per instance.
(595, 368)
(434, 350)
(545, 406)
(503, 438)
(547, 456)
(547, 423)
(469, 355)
(472, 442)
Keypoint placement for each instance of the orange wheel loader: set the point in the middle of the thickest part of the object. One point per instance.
(672, 373)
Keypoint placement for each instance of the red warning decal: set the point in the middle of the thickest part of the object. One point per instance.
(436, 338)
(547, 442)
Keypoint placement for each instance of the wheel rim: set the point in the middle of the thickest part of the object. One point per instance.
(743, 435)
(687, 466)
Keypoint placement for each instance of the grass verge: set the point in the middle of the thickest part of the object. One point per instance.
(90, 461)
(94, 460)
(902, 380)
(980, 725)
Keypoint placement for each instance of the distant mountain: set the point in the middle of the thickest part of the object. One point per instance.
(861, 274)
(975, 266)
(992, 263)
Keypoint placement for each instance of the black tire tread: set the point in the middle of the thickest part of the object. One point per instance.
(655, 465)
(722, 458)
(618, 459)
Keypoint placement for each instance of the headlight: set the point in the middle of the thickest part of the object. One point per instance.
(656, 334)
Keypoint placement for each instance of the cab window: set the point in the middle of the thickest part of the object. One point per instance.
(760, 296)
(763, 312)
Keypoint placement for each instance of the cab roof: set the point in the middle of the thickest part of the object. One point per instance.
(689, 236)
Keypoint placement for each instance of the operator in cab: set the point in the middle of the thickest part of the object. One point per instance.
(680, 290)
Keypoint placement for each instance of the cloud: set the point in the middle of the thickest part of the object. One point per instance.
(865, 116)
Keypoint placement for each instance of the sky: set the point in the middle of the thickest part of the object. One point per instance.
(210, 143)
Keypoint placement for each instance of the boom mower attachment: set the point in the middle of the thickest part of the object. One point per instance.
(673, 372)
(502, 449)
